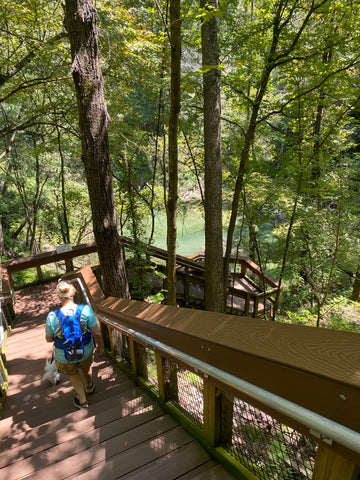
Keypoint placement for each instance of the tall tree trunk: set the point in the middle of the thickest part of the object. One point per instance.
(65, 230)
(2, 244)
(175, 38)
(244, 159)
(355, 294)
(80, 22)
(214, 278)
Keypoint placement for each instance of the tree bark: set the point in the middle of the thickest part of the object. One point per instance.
(175, 38)
(355, 294)
(2, 248)
(80, 22)
(214, 286)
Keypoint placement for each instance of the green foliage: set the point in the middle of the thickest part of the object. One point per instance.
(298, 211)
(158, 297)
(339, 314)
(206, 14)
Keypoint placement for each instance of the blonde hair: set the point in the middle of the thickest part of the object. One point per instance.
(65, 290)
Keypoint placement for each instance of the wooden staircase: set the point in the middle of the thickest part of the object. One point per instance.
(123, 434)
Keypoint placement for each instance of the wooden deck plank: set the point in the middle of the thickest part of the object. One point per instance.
(86, 449)
(208, 471)
(127, 462)
(124, 401)
(124, 432)
(91, 429)
(38, 406)
(183, 459)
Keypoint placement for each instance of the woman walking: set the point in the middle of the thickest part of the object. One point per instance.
(79, 371)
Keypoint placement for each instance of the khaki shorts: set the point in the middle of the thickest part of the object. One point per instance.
(71, 369)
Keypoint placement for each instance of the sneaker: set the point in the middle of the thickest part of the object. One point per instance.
(90, 388)
(77, 403)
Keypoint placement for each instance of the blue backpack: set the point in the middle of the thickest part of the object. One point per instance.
(73, 340)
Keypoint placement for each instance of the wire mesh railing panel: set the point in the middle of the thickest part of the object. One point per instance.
(191, 394)
(186, 390)
(151, 368)
(266, 447)
(122, 347)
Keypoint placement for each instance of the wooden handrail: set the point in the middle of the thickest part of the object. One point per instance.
(317, 355)
(49, 257)
(85, 249)
(194, 270)
(246, 263)
(5, 290)
(314, 368)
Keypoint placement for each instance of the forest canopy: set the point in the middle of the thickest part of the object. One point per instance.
(288, 73)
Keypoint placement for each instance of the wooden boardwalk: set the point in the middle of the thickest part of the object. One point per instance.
(123, 434)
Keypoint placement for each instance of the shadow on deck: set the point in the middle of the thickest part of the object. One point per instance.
(123, 434)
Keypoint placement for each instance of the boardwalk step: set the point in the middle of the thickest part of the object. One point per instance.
(183, 461)
(29, 442)
(159, 451)
(69, 456)
(123, 434)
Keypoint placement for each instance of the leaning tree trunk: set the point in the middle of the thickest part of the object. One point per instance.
(214, 288)
(80, 22)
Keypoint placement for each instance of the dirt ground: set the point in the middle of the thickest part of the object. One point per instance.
(36, 301)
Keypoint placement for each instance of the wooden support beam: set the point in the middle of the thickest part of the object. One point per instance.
(160, 376)
(39, 273)
(332, 466)
(139, 362)
(226, 419)
(247, 305)
(211, 413)
(68, 264)
(187, 287)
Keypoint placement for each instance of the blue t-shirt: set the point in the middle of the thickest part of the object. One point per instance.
(87, 319)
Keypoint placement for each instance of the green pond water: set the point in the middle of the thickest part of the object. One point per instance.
(190, 233)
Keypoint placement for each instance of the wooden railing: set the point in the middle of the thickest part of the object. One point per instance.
(190, 273)
(46, 258)
(7, 318)
(317, 369)
(314, 369)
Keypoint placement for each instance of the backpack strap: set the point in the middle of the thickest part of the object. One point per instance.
(77, 313)
(87, 336)
(59, 314)
(79, 310)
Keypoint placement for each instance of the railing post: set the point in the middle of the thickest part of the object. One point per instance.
(167, 379)
(39, 273)
(243, 268)
(68, 264)
(10, 280)
(105, 335)
(211, 413)
(138, 359)
(256, 306)
(160, 376)
(226, 414)
(332, 466)
(187, 287)
(111, 338)
(247, 305)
